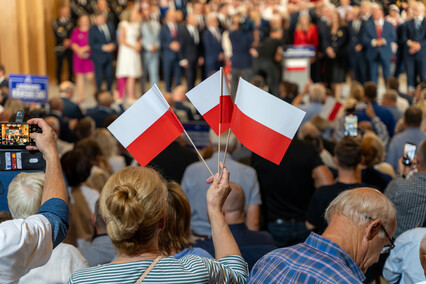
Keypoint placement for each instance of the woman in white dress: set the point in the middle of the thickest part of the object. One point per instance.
(129, 65)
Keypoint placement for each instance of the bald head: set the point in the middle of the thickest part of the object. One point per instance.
(236, 200)
(105, 99)
(66, 88)
(179, 93)
(56, 104)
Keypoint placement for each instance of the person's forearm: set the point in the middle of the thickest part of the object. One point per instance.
(223, 240)
(253, 217)
(54, 184)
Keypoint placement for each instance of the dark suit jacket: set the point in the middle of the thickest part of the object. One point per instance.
(99, 114)
(370, 33)
(165, 40)
(212, 48)
(189, 50)
(419, 35)
(355, 36)
(71, 110)
(97, 39)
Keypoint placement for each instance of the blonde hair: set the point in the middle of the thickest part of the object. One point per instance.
(106, 142)
(133, 203)
(24, 194)
(372, 150)
(356, 91)
(361, 204)
(176, 234)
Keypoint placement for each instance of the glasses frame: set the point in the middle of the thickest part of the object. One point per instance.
(386, 248)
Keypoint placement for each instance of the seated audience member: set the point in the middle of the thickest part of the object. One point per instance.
(101, 169)
(361, 223)
(24, 200)
(412, 134)
(101, 249)
(309, 133)
(175, 238)
(393, 84)
(389, 100)
(85, 128)
(253, 244)
(408, 192)
(172, 162)
(102, 109)
(28, 243)
(385, 115)
(133, 202)
(194, 186)
(61, 146)
(66, 125)
(108, 145)
(403, 264)
(347, 156)
(77, 167)
(179, 99)
(317, 95)
(374, 172)
(70, 109)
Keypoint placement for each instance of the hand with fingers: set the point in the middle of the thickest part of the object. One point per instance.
(45, 141)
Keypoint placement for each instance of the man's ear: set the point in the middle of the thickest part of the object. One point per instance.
(336, 162)
(372, 229)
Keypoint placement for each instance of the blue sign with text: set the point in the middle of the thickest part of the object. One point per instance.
(28, 88)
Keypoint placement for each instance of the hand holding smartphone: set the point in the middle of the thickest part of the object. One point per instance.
(409, 152)
(17, 135)
(351, 125)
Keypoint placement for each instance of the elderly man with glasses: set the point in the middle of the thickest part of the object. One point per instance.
(361, 223)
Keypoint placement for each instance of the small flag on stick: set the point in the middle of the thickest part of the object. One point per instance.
(330, 109)
(264, 123)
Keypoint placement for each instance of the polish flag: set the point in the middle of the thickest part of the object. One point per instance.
(206, 98)
(330, 109)
(264, 123)
(147, 127)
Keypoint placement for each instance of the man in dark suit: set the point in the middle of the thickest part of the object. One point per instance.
(356, 54)
(70, 109)
(378, 36)
(190, 50)
(212, 46)
(103, 108)
(170, 50)
(415, 39)
(62, 28)
(102, 45)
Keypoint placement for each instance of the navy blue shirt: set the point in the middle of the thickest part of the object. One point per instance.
(383, 113)
(241, 44)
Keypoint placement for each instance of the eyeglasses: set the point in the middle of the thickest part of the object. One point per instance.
(386, 248)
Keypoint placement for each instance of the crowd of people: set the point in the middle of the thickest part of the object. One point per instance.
(345, 205)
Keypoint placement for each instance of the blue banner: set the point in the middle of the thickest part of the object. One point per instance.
(199, 133)
(28, 88)
(299, 51)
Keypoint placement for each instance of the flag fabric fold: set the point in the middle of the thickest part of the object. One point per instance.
(330, 109)
(214, 108)
(264, 123)
(147, 127)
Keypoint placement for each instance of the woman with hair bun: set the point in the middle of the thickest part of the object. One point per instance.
(133, 204)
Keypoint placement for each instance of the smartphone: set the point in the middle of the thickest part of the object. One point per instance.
(351, 125)
(17, 135)
(409, 152)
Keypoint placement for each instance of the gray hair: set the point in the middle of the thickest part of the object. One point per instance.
(317, 93)
(214, 139)
(391, 95)
(24, 194)
(361, 204)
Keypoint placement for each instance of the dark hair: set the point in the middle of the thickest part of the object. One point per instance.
(91, 148)
(348, 153)
(2, 69)
(413, 116)
(76, 166)
(392, 83)
(100, 223)
(370, 90)
(85, 127)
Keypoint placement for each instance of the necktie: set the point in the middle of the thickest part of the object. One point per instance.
(173, 31)
(106, 32)
(417, 24)
(379, 31)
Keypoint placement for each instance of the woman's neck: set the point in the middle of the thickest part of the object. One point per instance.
(146, 255)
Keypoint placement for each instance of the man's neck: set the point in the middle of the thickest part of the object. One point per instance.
(348, 176)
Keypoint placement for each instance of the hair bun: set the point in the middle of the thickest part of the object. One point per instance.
(126, 210)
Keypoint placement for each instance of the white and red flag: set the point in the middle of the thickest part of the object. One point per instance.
(147, 127)
(213, 104)
(330, 109)
(264, 123)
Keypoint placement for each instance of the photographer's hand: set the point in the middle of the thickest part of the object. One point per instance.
(45, 141)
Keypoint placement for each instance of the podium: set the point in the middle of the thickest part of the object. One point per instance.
(297, 64)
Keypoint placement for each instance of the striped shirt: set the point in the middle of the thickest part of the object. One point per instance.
(317, 260)
(189, 269)
(409, 197)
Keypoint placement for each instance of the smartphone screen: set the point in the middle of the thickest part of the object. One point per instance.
(15, 135)
(351, 125)
(409, 152)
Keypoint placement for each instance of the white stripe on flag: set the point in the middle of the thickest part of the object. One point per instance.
(268, 109)
(327, 108)
(139, 117)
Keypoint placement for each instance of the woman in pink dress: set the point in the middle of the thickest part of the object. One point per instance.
(83, 66)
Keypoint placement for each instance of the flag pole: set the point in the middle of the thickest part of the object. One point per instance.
(220, 118)
(226, 147)
(198, 152)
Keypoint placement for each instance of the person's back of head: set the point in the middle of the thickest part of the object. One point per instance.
(66, 88)
(24, 194)
(348, 153)
(175, 236)
(373, 151)
(214, 140)
(317, 93)
(392, 84)
(179, 93)
(389, 98)
(413, 116)
(91, 148)
(421, 156)
(356, 91)
(134, 202)
(234, 206)
(56, 104)
(76, 166)
(104, 98)
(258, 81)
(85, 128)
(310, 133)
(370, 91)
(106, 142)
